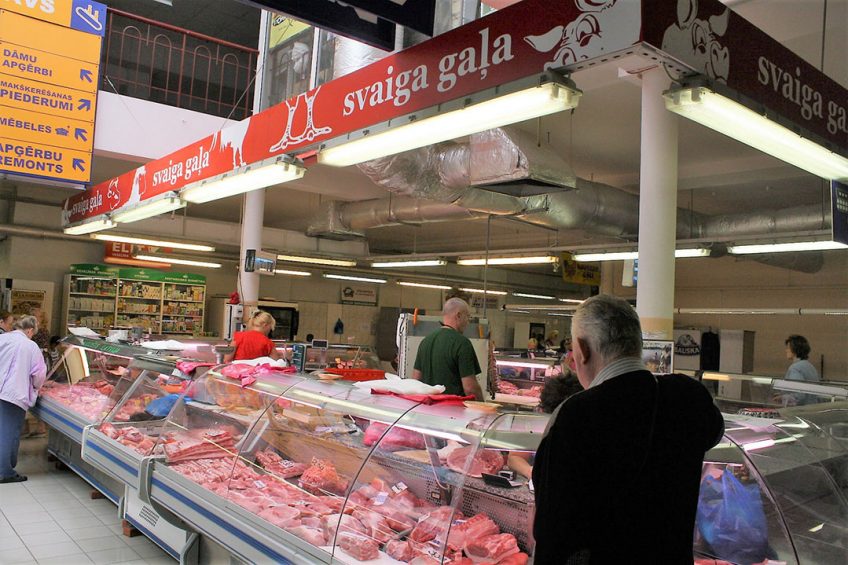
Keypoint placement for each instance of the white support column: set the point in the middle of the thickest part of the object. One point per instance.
(657, 209)
(251, 238)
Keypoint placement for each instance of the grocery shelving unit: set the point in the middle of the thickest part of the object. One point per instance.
(103, 297)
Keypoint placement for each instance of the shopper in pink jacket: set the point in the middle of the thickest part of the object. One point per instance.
(22, 372)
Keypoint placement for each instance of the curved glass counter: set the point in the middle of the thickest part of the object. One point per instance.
(311, 470)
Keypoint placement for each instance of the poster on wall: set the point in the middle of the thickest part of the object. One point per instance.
(687, 349)
(658, 356)
(23, 301)
(359, 295)
(839, 211)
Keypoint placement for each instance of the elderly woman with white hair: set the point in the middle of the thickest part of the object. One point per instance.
(22, 372)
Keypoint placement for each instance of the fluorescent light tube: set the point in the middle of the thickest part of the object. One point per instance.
(88, 227)
(624, 255)
(415, 263)
(571, 300)
(737, 121)
(352, 278)
(481, 291)
(785, 247)
(424, 285)
(499, 111)
(152, 242)
(612, 256)
(293, 273)
(148, 209)
(537, 260)
(179, 261)
(317, 260)
(521, 364)
(242, 180)
(537, 296)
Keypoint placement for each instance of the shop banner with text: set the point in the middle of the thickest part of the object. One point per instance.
(724, 47)
(505, 46)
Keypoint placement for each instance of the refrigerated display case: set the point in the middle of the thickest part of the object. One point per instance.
(335, 356)
(302, 470)
(734, 392)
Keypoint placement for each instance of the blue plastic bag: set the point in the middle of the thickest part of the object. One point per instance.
(161, 407)
(731, 519)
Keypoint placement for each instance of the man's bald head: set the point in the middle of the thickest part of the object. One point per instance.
(455, 314)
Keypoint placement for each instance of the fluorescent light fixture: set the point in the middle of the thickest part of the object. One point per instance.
(88, 227)
(293, 273)
(625, 255)
(457, 119)
(755, 445)
(244, 179)
(149, 209)
(170, 260)
(785, 247)
(572, 300)
(815, 529)
(537, 296)
(560, 314)
(611, 256)
(152, 242)
(317, 260)
(481, 291)
(424, 285)
(352, 278)
(731, 118)
(415, 263)
(521, 364)
(535, 260)
(715, 377)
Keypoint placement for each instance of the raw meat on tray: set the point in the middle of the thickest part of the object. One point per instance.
(376, 525)
(321, 478)
(397, 438)
(308, 534)
(493, 548)
(484, 461)
(283, 468)
(435, 524)
(358, 546)
(200, 444)
(471, 529)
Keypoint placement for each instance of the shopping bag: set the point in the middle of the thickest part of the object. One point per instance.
(731, 519)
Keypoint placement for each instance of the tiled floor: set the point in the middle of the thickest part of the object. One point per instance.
(51, 519)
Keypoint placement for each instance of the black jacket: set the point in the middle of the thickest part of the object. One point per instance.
(610, 489)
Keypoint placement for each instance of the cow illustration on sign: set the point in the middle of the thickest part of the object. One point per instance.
(113, 194)
(582, 39)
(696, 42)
(139, 186)
(233, 138)
(310, 131)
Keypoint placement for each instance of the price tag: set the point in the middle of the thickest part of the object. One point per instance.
(381, 498)
(260, 484)
(399, 488)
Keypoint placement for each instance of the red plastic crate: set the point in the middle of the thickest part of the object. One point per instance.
(357, 375)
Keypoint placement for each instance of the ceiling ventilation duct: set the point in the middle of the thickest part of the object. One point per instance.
(512, 162)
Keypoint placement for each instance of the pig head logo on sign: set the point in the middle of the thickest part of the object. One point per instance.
(696, 41)
(310, 132)
(583, 38)
(233, 138)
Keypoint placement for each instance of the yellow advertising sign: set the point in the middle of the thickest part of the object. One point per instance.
(39, 97)
(82, 15)
(44, 161)
(34, 127)
(282, 28)
(579, 273)
(26, 62)
(43, 36)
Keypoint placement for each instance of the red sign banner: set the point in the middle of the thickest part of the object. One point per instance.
(724, 47)
(517, 42)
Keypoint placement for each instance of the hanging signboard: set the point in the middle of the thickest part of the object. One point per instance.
(505, 46)
(31, 63)
(79, 15)
(94, 269)
(839, 211)
(579, 273)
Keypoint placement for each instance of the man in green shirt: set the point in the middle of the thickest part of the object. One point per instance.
(446, 357)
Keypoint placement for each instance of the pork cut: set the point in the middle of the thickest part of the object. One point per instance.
(315, 536)
(341, 522)
(435, 524)
(376, 526)
(358, 546)
(397, 438)
(321, 478)
(281, 516)
(473, 528)
(494, 548)
(283, 468)
(400, 550)
(483, 461)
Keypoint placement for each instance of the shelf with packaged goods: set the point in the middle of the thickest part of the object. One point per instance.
(131, 297)
(187, 301)
(92, 295)
(166, 315)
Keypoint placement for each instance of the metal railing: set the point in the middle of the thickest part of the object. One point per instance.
(163, 63)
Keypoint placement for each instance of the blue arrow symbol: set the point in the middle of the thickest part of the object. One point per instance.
(85, 74)
(84, 104)
(79, 133)
(79, 164)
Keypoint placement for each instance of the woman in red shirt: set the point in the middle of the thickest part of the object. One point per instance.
(254, 342)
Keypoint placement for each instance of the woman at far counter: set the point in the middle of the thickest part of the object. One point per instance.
(556, 391)
(254, 341)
